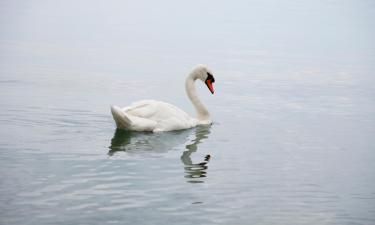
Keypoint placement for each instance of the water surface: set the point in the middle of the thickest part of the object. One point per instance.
(292, 138)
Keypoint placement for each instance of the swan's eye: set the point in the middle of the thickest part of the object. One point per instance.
(210, 77)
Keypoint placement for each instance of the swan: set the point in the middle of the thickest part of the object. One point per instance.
(157, 116)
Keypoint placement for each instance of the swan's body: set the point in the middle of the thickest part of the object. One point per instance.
(151, 115)
(156, 116)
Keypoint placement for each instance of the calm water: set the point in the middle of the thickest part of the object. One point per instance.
(294, 111)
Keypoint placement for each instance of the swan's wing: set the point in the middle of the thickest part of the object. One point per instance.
(142, 109)
(156, 110)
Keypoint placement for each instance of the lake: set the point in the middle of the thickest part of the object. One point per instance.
(292, 140)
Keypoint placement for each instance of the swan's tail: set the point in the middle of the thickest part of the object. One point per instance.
(120, 117)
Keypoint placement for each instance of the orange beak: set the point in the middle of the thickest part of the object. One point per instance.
(209, 85)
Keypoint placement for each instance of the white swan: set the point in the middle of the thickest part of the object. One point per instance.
(156, 116)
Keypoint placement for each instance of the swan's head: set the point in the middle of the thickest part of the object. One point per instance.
(204, 74)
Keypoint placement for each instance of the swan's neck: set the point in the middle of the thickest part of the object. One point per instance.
(202, 112)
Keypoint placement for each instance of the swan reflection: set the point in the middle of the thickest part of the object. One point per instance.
(138, 142)
(134, 142)
(196, 170)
